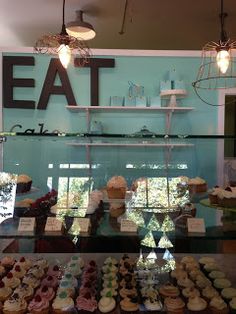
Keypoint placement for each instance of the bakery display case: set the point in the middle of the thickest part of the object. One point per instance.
(72, 177)
(118, 240)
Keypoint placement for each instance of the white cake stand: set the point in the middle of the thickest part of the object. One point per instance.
(173, 94)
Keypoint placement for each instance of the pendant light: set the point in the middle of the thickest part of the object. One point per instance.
(64, 45)
(79, 28)
(218, 68)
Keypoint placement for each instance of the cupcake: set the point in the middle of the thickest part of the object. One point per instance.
(63, 304)
(193, 274)
(45, 292)
(25, 291)
(228, 293)
(18, 271)
(218, 306)
(78, 260)
(174, 305)
(209, 292)
(216, 274)
(107, 305)
(116, 187)
(42, 263)
(15, 305)
(5, 292)
(197, 305)
(37, 271)
(232, 306)
(190, 292)
(207, 268)
(31, 280)
(110, 260)
(153, 304)
(54, 271)
(2, 271)
(74, 269)
(222, 283)
(7, 262)
(187, 259)
(185, 282)
(169, 290)
(108, 292)
(206, 260)
(202, 282)
(86, 302)
(38, 305)
(25, 263)
(128, 305)
(65, 286)
(197, 185)
(11, 281)
(50, 281)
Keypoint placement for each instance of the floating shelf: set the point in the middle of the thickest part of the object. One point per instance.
(171, 145)
(122, 109)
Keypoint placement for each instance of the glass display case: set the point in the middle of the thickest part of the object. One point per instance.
(155, 167)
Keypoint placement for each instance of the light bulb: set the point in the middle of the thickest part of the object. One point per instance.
(64, 54)
(222, 59)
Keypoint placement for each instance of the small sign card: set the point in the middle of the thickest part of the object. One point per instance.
(84, 224)
(26, 224)
(127, 226)
(53, 225)
(196, 225)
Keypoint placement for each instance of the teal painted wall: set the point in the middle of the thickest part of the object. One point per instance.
(32, 156)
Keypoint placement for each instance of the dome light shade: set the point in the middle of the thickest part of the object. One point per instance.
(79, 28)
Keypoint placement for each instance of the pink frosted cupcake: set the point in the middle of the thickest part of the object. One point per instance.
(38, 305)
(54, 271)
(50, 281)
(45, 292)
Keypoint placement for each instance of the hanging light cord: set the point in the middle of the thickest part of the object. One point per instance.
(63, 28)
(223, 15)
(121, 32)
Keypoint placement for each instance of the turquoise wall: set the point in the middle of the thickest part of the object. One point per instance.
(33, 156)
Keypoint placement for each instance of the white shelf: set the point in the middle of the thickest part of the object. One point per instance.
(170, 92)
(171, 145)
(123, 109)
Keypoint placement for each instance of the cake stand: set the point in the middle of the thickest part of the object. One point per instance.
(173, 94)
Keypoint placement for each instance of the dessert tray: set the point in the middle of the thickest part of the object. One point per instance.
(206, 202)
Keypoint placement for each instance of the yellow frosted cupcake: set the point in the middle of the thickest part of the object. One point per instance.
(15, 305)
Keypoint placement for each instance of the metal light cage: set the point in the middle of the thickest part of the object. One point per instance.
(50, 43)
(209, 76)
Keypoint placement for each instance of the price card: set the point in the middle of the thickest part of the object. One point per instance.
(53, 225)
(127, 226)
(84, 224)
(196, 225)
(26, 224)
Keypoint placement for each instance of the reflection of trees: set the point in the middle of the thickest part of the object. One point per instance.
(5, 196)
(76, 193)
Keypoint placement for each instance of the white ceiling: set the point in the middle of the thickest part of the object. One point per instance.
(150, 24)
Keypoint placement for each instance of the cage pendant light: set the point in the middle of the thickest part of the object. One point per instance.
(218, 67)
(64, 45)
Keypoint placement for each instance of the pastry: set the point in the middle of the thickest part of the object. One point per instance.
(116, 187)
(74, 268)
(197, 305)
(227, 197)
(106, 305)
(116, 209)
(202, 282)
(216, 274)
(54, 271)
(197, 185)
(15, 305)
(24, 263)
(86, 302)
(8, 262)
(18, 271)
(31, 280)
(50, 281)
(174, 305)
(232, 306)
(24, 291)
(222, 283)
(129, 305)
(218, 306)
(153, 304)
(185, 282)
(36, 271)
(228, 293)
(209, 292)
(206, 260)
(45, 292)
(62, 304)
(207, 268)
(190, 292)
(24, 183)
(5, 292)
(38, 305)
(67, 287)
(11, 281)
(169, 290)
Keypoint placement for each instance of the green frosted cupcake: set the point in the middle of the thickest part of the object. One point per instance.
(232, 306)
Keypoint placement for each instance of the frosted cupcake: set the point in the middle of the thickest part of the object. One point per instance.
(209, 292)
(8, 262)
(50, 281)
(5, 292)
(185, 282)
(128, 305)
(47, 293)
(218, 306)
(54, 271)
(206, 260)
(116, 187)
(228, 293)
(107, 305)
(190, 292)
(174, 305)
(31, 280)
(24, 291)
(62, 304)
(24, 263)
(197, 305)
(222, 283)
(18, 271)
(38, 305)
(169, 290)
(11, 281)
(232, 306)
(216, 274)
(15, 305)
